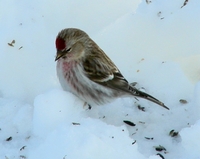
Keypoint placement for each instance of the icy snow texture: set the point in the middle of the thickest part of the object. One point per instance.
(155, 44)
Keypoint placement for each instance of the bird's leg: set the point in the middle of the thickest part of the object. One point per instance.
(85, 103)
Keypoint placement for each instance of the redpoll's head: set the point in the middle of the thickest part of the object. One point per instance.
(70, 44)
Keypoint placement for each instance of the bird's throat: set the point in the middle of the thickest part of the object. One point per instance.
(67, 66)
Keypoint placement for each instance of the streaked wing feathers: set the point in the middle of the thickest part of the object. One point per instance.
(101, 69)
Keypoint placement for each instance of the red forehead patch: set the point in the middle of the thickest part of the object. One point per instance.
(60, 44)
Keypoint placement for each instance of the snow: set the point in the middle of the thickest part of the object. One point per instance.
(190, 139)
(154, 44)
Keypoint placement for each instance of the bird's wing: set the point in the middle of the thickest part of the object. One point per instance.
(100, 69)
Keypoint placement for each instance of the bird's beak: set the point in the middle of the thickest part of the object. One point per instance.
(59, 55)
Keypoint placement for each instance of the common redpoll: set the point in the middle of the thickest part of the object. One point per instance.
(86, 71)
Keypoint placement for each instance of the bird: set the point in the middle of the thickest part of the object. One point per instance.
(85, 70)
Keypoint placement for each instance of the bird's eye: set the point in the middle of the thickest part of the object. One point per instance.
(68, 50)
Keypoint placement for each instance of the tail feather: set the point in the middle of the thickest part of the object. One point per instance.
(146, 96)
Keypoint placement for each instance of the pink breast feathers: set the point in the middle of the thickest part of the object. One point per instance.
(67, 66)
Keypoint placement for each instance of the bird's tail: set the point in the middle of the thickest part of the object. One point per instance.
(135, 92)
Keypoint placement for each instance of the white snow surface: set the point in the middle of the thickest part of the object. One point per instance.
(153, 43)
